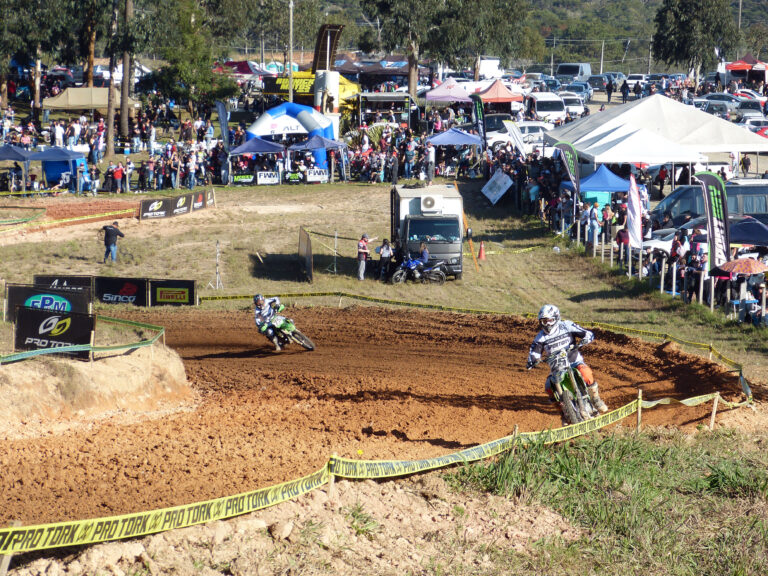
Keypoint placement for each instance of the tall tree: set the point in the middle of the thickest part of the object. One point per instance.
(693, 32)
(126, 84)
(407, 26)
(473, 28)
(756, 39)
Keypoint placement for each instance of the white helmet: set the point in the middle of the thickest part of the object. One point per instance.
(549, 316)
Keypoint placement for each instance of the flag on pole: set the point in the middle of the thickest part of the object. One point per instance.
(634, 215)
(571, 163)
(716, 207)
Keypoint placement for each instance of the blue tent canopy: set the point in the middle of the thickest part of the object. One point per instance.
(455, 137)
(258, 145)
(15, 153)
(602, 180)
(318, 142)
(56, 155)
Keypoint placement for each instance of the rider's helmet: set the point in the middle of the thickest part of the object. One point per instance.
(549, 316)
(258, 300)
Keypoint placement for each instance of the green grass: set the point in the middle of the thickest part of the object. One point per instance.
(656, 503)
(362, 523)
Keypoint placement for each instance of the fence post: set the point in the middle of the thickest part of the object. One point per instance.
(578, 231)
(610, 247)
(562, 224)
(332, 481)
(5, 561)
(762, 302)
(674, 279)
(629, 260)
(684, 295)
(710, 351)
(714, 411)
(640, 264)
(602, 247)
(594, 244)
(711, 294)
(621, 255)
(701, 286)
(662, 273)
(639, 409)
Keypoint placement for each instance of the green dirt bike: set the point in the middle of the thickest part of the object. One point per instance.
(569, 389)
(287, 332)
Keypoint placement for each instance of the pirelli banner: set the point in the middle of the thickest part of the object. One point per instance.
(110, 290)
(172, 292)
(37, 329)
(64, 282)
(56, 300)
(184, 204)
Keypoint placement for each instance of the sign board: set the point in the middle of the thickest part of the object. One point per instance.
(294, 177)
(497, 186)
(198, 201)
(279, 85)
(111, 290)
(172, 292)
(41, 329)
(242, 178)
(63, 282)
(210, 198)
(22, 295)
(151, 209)
(267, 178)
(182, 205)
(317, 175)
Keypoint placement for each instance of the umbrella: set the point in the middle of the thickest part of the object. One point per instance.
(455, 137)
(746, 266)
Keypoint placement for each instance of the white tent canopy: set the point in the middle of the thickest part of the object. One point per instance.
(658, 123)
(628, 144)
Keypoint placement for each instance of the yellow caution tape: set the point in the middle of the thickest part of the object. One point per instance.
(76, 533)
(65, 220)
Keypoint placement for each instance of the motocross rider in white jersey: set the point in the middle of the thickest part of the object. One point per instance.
(556, 335)
(263, 311)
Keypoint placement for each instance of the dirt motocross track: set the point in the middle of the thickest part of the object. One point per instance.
(382, 384)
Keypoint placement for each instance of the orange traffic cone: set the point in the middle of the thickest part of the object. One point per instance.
(481, 253)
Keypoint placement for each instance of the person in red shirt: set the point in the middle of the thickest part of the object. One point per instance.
(363, 254)
(662, 178)
(118, 176)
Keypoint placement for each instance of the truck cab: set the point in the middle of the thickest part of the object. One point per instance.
(432, 215)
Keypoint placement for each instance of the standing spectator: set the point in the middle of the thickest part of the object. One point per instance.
(58, 134)
(662, 178)
(128, 172)
(607, 221)
(430, 163)
(191, 169)
(609, 89)
(594, 223)
(208, 135)
(118, 177)
(746, 163)
(622, 239)
(638, 90)
(111, 233)
(394, 165)
(152, 138)
(385, 259)
(410, 154)
(363, 254)
(95, 175)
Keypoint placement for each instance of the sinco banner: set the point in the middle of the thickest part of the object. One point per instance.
(37, 329)
(111, 290)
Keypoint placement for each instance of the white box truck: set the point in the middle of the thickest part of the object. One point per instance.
(433, 215)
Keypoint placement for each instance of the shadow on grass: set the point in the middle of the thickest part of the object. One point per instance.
(278, 267)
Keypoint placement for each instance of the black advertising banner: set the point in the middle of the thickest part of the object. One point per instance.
(221, 111)
(172, 292)
(242, 179)
(198, 201)
(39, 329)
(479, 116)
(121, 290)
(571, 163)
(716, 207)
(22, 295)
(210, 198)
(156, 208)
(182, 205)
(63, 282)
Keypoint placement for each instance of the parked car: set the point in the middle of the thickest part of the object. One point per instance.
(747, 109)
(553, 84)
(598, 82)
(583, 90)
(729, 100)
(633, 79)
(618, 78)
(751, 95)
(574, 105)
(719, 109)
(753, 124)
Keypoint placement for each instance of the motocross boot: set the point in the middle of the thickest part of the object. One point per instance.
(276, 342)
(596, 401)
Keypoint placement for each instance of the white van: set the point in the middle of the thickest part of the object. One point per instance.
(573, 72)
(545, 106)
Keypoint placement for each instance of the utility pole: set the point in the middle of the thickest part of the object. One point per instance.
(650, 55)
(552, 57)
(602, 56)
(290, 51)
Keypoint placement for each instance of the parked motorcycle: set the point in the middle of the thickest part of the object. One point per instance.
(411, 269)
(569, 389)
(287, 332)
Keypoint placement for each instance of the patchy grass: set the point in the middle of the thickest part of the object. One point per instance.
(656, 503)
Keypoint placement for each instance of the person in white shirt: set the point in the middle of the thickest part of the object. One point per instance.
(58, 135)
(430, 163)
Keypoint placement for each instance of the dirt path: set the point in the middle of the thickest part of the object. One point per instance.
(391, 383)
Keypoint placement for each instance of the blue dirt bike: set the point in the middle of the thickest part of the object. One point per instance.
(412, 269)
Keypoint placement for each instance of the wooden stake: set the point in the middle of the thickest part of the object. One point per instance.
(662, 273)
(5, 562)
(602, 247)
(714, 412)
(332, 484)
(639, 409)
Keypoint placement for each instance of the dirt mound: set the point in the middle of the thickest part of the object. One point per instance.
(53, 394)
(390, 384)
